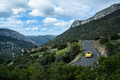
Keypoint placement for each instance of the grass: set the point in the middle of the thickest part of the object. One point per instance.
(62, 51)
(37, 53)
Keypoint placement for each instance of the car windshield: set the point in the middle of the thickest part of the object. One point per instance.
(88, 52)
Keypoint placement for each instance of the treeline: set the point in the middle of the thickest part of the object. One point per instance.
(52, 64)
(107, 69)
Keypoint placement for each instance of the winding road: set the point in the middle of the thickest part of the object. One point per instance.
(87, 45)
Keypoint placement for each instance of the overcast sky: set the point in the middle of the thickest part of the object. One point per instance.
(41, 17)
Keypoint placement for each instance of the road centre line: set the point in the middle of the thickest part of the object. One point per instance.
(97, 54)
(82, 57)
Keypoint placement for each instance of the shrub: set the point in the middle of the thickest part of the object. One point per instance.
(104, 40)
(60, 58)
(36, 46)
(75, 48)
(43, 49)
(75, 40)
(54, 46)
(114, 36)
(110, 49)
(1, 60)
(61, 46)
(47, 58)
(97, 37)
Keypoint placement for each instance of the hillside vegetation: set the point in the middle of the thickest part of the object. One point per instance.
(111, 44)
(104, 26)
(10, 45)
(53, 66)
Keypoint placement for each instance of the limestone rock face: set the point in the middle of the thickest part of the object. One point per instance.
(98, 15)
(76, 23)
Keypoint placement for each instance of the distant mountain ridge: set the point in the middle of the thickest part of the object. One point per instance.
(15, 35)
(12, 42)
(98, 15)
(41, 39)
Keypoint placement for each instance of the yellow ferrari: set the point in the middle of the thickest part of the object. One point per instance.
(88, 54)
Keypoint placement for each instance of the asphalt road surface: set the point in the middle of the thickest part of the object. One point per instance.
(87, 45)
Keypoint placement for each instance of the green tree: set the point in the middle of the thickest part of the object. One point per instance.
(75, 48)
(61, 46)
(104, 40)
(114, 36)
(74, 40)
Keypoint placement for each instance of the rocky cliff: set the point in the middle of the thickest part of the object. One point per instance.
(15, 35)
(98, 15)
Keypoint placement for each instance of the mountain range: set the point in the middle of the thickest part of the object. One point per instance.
(104, 22)
(12, 41)
(41, 39)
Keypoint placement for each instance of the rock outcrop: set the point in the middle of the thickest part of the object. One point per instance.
(15, 35)
(98, 15)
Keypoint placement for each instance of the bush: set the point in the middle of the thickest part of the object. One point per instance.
(75, 40)
(1, 60)
(43, 49)
(104, 40)
(54, 46)
(36, 46)
(110, 49)
(47, 58)
(60, 58)
(75, 48)
(114, 36)
(61, 46)
(97, 37)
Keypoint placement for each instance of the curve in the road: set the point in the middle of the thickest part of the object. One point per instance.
(87, 45)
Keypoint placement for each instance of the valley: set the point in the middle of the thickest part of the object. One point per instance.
(63, 57)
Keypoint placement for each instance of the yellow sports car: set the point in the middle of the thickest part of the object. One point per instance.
(88, 54)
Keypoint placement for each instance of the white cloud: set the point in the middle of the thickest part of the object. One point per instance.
(31, 21)
(32, 29)
(16, 22)
(61, 8)
(11, 22)
(49, 21)
(68, 8)
(44, 29)
(54, 8)
(12, 7)
(52, 22)
(41, 8)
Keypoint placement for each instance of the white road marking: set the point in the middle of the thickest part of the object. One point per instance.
(82, 57)
(97, 62)
(97, 54)
(84, 51)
